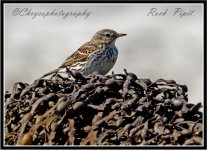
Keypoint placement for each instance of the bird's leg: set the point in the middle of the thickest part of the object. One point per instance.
(112, 74)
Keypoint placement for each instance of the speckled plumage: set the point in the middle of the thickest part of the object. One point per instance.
(99, 54)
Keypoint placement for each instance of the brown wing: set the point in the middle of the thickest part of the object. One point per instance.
(79, 55)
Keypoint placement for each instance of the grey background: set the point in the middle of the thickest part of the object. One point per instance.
(155, 47)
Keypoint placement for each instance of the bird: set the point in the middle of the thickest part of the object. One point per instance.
(98, 55)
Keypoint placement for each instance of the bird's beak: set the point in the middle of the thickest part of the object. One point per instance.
(121, 34)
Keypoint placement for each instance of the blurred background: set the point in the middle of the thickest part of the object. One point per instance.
(155, 47)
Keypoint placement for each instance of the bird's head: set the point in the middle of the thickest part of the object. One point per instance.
(107, 36)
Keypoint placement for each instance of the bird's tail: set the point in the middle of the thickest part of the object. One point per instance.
(51, 72)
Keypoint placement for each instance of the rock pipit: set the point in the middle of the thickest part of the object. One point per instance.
(100, 55)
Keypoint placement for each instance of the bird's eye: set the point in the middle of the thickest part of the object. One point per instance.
(108, 35)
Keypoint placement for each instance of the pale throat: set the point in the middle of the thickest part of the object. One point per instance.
(112, 44)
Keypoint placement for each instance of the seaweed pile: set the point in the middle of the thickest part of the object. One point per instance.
(116, 109)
